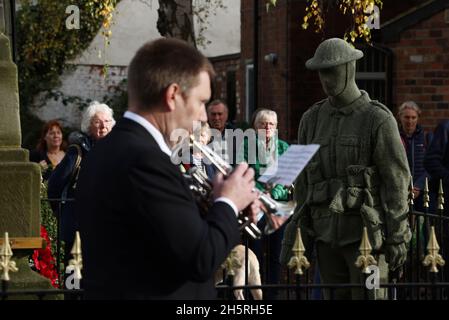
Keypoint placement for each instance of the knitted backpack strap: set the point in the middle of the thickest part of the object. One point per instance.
(368, 124)
(315, 119)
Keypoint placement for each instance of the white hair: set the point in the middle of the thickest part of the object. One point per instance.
(409, 105)
(94, 108)
(263, 114)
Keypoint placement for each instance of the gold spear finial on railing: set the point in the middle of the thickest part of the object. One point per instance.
(411, 195)
(365, 259)
(298, 261)
(77, 261)
(433, 258)
(441, 196)
(426, 198)
(231, 263)
(5, 259)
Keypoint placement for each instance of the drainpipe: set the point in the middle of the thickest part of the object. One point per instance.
(287, 70)
(256, 54)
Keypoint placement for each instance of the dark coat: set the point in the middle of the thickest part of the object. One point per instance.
(415, 147)
(436, 161)
(141, 231)
(39, 155)
(61, 186)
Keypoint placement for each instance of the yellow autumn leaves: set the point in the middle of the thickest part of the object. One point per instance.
(360, 10)
(314, 12)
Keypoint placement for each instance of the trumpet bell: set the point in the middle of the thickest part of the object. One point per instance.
(284, 210)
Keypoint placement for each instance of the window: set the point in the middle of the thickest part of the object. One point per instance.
(374, 73)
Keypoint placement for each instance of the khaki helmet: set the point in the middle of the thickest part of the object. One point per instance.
(333, 52)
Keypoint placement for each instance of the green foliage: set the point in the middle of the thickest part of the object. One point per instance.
(45, 44)
(202, 11)
(48, 219)
(118, 100)
(31, 129)
(50, 223)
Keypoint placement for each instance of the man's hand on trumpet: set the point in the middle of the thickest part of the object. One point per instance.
(253, 210)
(237, 187)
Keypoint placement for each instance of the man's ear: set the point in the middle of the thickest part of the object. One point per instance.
(170, 96)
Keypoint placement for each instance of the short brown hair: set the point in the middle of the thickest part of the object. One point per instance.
(160, 63)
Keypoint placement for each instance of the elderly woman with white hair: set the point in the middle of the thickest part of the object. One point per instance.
(96, 122)
(268, 147)
(260, 155)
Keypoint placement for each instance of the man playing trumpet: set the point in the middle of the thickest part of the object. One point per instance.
(142, 232)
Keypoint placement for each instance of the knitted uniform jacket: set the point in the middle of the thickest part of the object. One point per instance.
(359, 177)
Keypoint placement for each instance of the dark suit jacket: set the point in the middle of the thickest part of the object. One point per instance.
(141, 232)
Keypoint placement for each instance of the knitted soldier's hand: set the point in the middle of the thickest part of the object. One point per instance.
(395, 255)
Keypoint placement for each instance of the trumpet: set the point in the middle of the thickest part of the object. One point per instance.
(272, 206)
(201, 187)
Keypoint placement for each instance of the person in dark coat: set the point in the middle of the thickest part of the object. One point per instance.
(97, 121)
(223, 133)
(415, 143)
(436, 161)
(142, 233)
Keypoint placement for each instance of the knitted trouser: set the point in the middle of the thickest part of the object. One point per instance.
(337, 265)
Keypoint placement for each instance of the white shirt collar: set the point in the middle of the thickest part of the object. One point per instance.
(157, 135)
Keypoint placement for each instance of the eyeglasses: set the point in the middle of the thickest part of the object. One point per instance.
(99, 123)
(267, 124)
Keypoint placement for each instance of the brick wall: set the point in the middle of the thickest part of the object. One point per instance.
(273, 78)
(421, 69)
(87, 82)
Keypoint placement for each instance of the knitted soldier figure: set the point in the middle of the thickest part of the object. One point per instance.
(359, 177)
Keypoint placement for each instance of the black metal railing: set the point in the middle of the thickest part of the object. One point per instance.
(416, 281)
